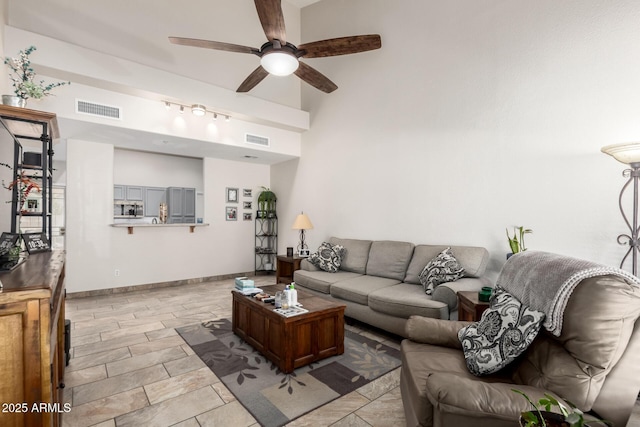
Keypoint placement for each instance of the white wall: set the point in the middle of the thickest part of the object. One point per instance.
(150, 255)
(473, 117)
(156, 170)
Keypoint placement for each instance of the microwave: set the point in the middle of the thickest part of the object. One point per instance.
(127, 209)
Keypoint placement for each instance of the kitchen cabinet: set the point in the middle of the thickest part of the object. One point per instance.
(119, 192)
(134, 193)
(32, 346)
(181, 205)
(153, 196)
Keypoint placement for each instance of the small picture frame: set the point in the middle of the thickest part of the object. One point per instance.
(303, 253)
(247, 205)
(8, 240)
(36, 242)
(247, 192)
(231, 213)
(232, 195)
(289, 252)
(247, 216)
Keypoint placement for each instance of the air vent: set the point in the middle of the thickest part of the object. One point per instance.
(98, 110)
(256, 140)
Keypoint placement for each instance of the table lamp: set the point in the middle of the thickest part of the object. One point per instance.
(302, 223)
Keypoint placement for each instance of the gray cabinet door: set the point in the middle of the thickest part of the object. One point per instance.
(175, 204)
(118, 192)
(153, 196)
(190, 203)
(134, 193)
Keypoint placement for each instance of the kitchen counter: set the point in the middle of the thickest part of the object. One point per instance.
(131, 226)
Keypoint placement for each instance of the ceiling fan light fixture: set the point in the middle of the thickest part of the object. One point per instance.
(198, 110)
(279, 63)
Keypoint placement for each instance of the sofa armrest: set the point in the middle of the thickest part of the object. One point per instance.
(440, 332)
(306, 265)
(475, 398)
(448, 292)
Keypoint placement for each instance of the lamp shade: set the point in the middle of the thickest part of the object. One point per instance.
(279, 63)
(627, 153)
(302, 222)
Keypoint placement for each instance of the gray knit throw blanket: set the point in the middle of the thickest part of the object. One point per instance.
(545, 281)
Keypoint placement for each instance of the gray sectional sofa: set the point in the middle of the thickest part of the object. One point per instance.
(379, 281)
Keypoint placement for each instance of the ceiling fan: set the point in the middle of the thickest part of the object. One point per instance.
(280, 58)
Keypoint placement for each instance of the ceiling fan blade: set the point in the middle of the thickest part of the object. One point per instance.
(315, 78)
(340, 46)
(208, 44)
(272, 19)
(254, 78)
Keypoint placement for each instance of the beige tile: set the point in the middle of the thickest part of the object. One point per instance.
(186, 364)
(86, 339)
(156, 345)
(84, 376)
(191, 422)
(160, 333)
(114, 385)
(333, 411)
(78, 363)
(351, 420)
(109, 326)
(105, 409)
(382, 385)
(144, 360)
(223, 392)
(142, 321)
(177, 323)
(109, 423)
(387, 410)
(233, 414)
(181, 384)
(174, 410)
(133, 330)
(104, 345)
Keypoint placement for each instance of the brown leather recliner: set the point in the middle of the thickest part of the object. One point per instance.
(594, 363)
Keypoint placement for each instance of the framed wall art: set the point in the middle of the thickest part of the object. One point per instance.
(232, 195)
(231, 213)
(247, 192)
(247, 216)
(246, 205)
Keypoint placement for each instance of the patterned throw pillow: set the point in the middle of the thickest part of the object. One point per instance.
(443, 268)
(328, 257)
(503, 333)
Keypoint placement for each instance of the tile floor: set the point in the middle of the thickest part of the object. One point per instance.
(129, 367)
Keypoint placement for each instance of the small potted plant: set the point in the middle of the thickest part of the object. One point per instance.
(267, 203)
(515, 244)
(541, 416)
(22, 77)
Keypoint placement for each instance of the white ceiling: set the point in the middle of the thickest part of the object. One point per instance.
(138, 32)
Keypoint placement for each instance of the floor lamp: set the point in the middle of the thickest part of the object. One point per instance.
(302, 223)
(629, 154)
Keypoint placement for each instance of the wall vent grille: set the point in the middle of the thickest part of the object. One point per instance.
(256, 140)
(98, 110)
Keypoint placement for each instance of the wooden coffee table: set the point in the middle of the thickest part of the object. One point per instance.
(290, 342)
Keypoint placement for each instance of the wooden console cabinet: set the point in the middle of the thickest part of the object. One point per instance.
(32, 357)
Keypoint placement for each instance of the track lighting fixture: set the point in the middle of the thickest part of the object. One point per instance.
(196, 109)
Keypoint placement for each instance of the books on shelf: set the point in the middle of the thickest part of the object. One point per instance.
(291, 311)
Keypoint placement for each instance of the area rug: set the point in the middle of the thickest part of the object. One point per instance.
(275, 398)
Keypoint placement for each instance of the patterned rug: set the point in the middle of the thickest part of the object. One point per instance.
(275, 398)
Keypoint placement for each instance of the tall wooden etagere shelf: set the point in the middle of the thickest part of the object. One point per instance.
(35, 130)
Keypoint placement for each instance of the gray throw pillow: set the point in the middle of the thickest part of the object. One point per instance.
(443, 268)
(503, 333)
(328, 257)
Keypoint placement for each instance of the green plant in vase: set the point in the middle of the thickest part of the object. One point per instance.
(541, 416)
(516, 245)
(267, 201)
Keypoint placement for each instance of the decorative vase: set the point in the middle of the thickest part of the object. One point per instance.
(14, 101)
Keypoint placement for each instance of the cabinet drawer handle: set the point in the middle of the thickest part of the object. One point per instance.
(61, 386)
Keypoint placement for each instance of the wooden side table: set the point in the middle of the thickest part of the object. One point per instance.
(470, 308)
(285, 267)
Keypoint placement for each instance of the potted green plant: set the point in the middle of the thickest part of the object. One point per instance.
(516, 245)
(267, 202)
(22, 77)
(541, 416)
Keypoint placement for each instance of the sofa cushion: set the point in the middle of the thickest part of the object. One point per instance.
(328, 257)
(443, 268)
(404, 300)
(359, 288)
(319, 280)
(389, 259)
(356, 254)
(598, 323)
(473, 259)
(503, 333)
